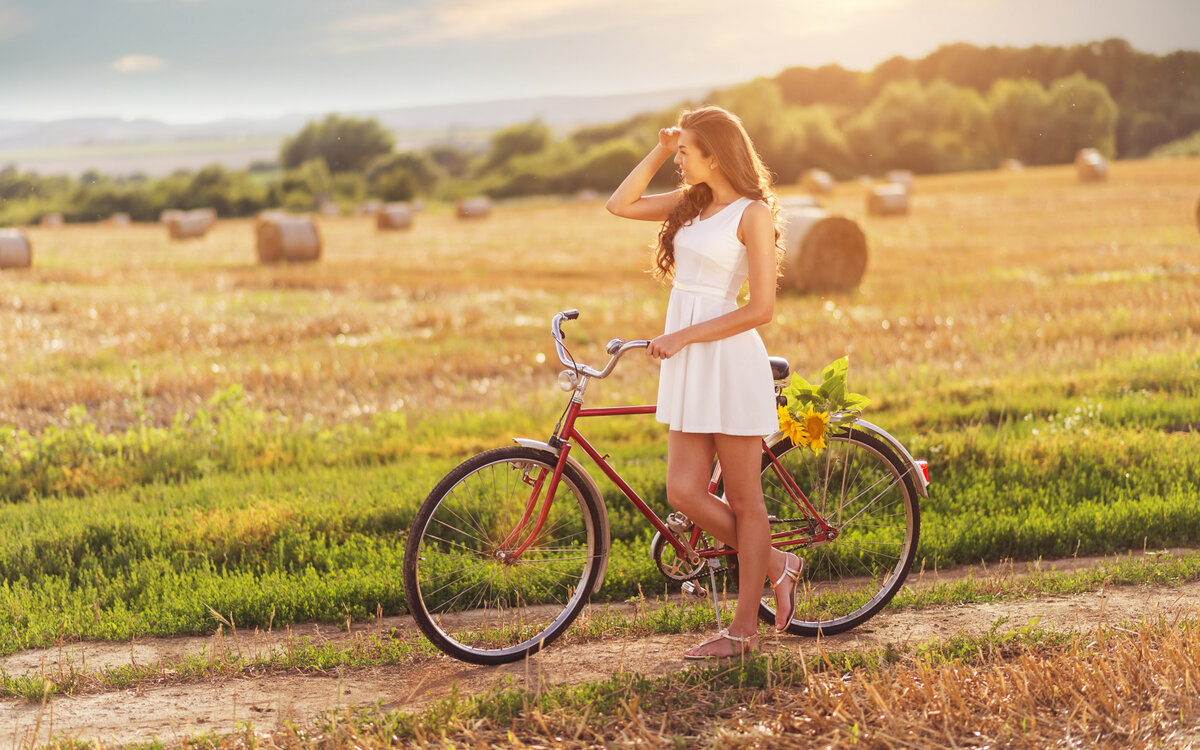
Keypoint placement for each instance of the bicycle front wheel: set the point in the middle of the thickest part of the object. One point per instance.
(866, 494)
(467, 588)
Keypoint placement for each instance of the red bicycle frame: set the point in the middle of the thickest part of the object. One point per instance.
(568, 435)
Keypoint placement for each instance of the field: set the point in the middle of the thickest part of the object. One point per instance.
(196, 443)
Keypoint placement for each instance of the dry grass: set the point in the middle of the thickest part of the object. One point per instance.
(1116, 688)
(990, 274)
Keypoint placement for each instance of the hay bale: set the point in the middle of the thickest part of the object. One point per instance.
(1011, 165)
(208, 214)
(369, 208)
(823, 253)
(817, 181)
(900, 177)
(15, 250)
(394, 216)
(168, 214)
(474, 208)
(188, 225)
(119, 220)
(1090, 165)
(52, 221)
(284, 237)
(329, 208)
(888, 200)
(798, 201)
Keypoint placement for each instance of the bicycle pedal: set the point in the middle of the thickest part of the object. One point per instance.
(695, 590)
(680, 524)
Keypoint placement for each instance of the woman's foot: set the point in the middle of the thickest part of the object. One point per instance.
(785, 587)
(724, 645)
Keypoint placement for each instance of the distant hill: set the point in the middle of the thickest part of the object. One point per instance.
(556, 111)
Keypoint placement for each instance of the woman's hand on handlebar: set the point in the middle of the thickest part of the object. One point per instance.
(666, 345)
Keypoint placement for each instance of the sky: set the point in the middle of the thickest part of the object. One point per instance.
(201, 60)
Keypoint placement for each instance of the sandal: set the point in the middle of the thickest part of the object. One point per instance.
(793, 587)
(741, 646)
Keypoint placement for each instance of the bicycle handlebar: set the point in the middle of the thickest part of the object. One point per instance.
(616, 348)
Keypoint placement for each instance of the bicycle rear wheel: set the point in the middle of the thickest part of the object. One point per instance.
(861, 489)
(467, 591)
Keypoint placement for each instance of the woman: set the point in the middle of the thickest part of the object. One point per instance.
(715, 388)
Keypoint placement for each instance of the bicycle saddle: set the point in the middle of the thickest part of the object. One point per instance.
(780, 368)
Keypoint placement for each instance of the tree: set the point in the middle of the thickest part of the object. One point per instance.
(1083, 115)
(829, 84)
(344, 143)
(1020, 116)
(402, 177)
(516, 140)
(1148, 130)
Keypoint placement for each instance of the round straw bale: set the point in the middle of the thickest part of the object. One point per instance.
(15, 251)
(188, 225)
(888, 200)
(269, 215)
(1011, 165)
(208, 214)
(474, 208)
(51, 221)
(286, 237)
(817, 181)
(119, 220)
(369, 208)
(395, 216)
(167, 214)
(798, 201)
(823, 253)
(1090, 165)
(900, 177)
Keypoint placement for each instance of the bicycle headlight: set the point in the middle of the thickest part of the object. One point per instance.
(567, 380)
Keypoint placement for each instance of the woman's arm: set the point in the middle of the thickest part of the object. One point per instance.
(627, 200)
(758, 233)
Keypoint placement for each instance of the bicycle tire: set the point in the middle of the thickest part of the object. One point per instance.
(847, 581)
(464, 596)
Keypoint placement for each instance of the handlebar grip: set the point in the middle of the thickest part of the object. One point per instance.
(571, 314)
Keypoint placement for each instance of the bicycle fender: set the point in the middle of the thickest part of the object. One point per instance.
(882, 435)
(604, 533)
(901, 451)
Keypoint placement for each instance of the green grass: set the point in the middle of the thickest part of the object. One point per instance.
(267, 520)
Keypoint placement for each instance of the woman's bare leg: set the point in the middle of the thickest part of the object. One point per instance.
(741, 461)
(741, 522)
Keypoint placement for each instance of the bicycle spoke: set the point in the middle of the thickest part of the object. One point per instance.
(476, 600)
(857, 491)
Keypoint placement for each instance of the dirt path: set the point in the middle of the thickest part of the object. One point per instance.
(173, 711)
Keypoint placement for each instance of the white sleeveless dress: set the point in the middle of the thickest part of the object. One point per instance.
(721, 386)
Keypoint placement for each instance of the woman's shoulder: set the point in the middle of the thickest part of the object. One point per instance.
(756, 210)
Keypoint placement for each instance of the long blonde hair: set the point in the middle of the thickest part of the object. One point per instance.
(719, 134)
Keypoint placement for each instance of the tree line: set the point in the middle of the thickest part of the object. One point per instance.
(961, 107)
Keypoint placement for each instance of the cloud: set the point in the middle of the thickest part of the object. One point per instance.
(137, 64)
(434, 21)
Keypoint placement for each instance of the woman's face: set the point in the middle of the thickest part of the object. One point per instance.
(694, 166)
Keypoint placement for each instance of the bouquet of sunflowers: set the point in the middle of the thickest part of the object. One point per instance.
(811, 409)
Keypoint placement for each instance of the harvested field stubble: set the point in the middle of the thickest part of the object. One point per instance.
(1118, 688)
(993, 274)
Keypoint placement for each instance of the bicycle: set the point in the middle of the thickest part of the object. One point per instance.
(510, 545)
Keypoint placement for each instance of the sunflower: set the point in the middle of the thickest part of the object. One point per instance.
(791, 427)
(814, 424)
